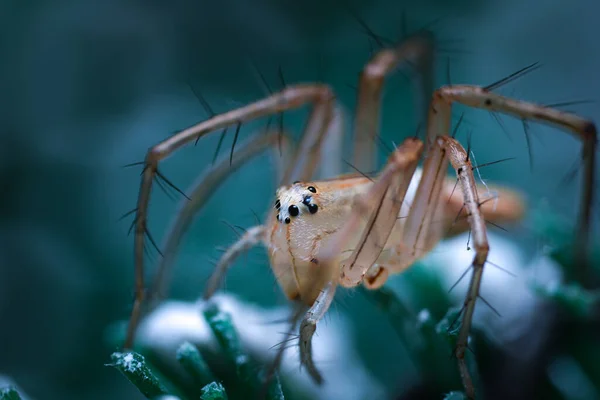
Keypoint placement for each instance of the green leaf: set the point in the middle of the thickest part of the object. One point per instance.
(133, 366)
(191, 360)
(213, 391)
(274, 391)
(222, 326)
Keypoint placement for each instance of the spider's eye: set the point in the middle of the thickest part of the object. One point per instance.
(312, 189)
(277, 204)
(307, 200)
(313, 208)
(293, 210)
(287, 220)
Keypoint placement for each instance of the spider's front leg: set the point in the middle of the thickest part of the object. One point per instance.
(289, 98)
(380, 204)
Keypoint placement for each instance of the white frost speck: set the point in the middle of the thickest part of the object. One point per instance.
(129, 363)
(424, 316)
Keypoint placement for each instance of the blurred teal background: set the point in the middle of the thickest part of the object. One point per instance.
(89, 86)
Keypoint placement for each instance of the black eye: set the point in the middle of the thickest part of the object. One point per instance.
(312, 189)
(307, 200)
(287, 220)
(313, 208)
(277, 204)
(293, 210)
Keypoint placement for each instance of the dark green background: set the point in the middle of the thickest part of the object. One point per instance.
(87, 87)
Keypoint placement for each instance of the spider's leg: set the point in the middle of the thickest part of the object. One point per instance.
(500, 206)
(323, 126)
(381, 205)
(331, 162)
(461, 163)
(199, 193)
(581, 128)
(250, 238)
(289, 98)
(417, 52)
(308, 326)
(420, 232)
(444, 148)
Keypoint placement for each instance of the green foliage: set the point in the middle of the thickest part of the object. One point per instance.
(248, 374)
(213, 391)
(570, 295)
(200, 381)
(223, 329)
(572, 298)
(133, 366)
(455, 396)
(191, 360)
(430, 343)
(9, 393)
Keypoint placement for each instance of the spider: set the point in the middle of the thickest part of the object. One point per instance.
(353, 229)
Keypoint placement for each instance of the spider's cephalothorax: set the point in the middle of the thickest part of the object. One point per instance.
(305, 217)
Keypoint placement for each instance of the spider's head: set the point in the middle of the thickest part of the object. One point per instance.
(295, 200)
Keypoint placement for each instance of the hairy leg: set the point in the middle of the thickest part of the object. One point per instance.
(304, 165)
(249, 239)
(200, 192)
(382, 206)
(308, 326)
(460, 162)
(416, 52)
(583, 129)
(479, 97)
